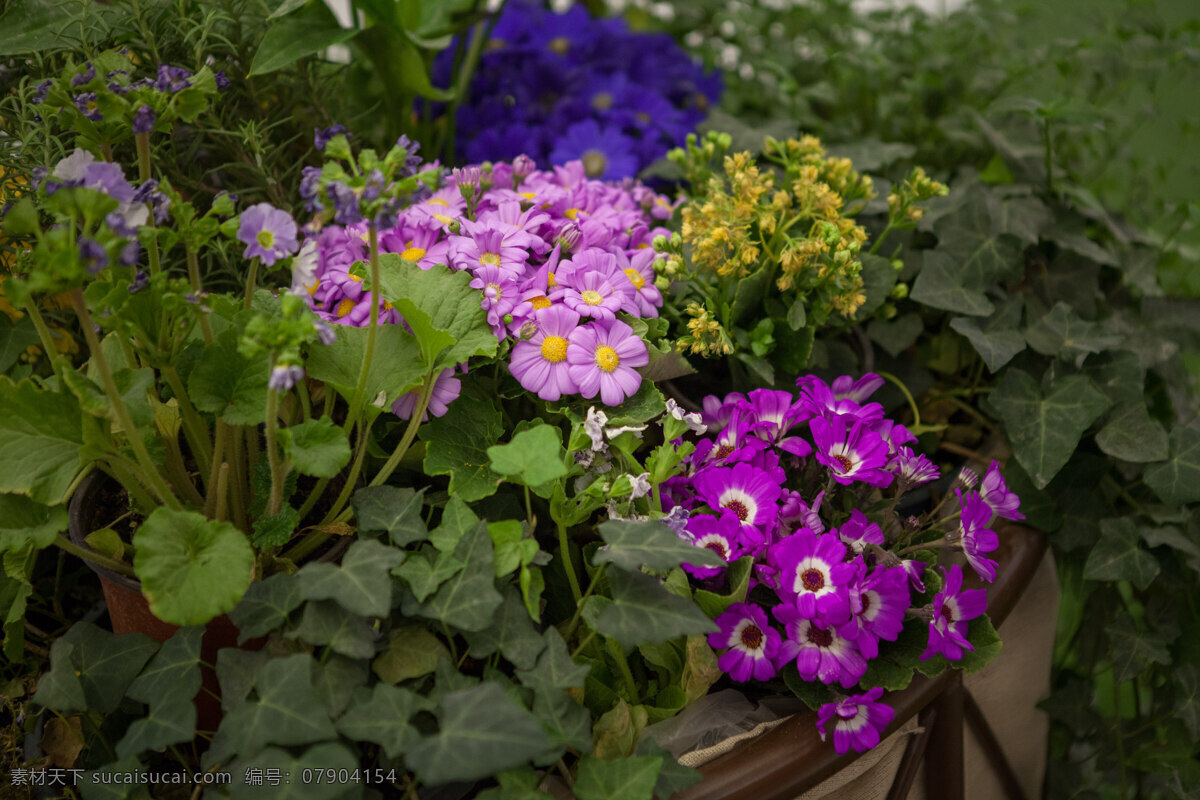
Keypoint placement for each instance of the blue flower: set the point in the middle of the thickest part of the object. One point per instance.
(606, 153)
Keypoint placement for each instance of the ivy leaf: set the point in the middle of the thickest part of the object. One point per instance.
(511, 632)
(424, 575)
(319, 759)
(236, 670)
(644, 611)
(468, 599)
(672, 777)
(897, 335)
(412, 651)
(41, 434)
(1177, 480)
(393, 374)
(1187, 697)
(1131, 435)
(568, 723)
(630, 778)
(457, 519)
(25, 523)
(555, 669)
(173, 674)
(1024, 216)
(167, 723)
(942, 284)
(1064, 333)
(361, 585)
(811, 693)
(1118, 557)
(971, 238)
(316, 447)
(879, 277)
(1117, 374)
(191, 568)
(226, 383)
(1045, 428)
(996, 339)
(381, 715)
(534, 456)
(325, 623)
(456, 445)
(392, 510)
(266, 606)
(59, 687)
(630, 545)
(93, 666)
(480, 732)
(1133, 650)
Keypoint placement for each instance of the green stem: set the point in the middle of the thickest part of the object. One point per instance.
(142, 140)
(194, 427)
(237, 463)
(305, 400)
(565, 549)
(360, 388)
(275, 501)
(364, 432)
(213, 489)
(118, 404)
(193, 265)
(614, 649)
(250, 282)
(482, 33)
(586, 641)
(131, 479)
(882, 236)
(313, 497)
(177, 473)
(574, 623)
(43, 332)
(410, 433)
(91, 555)
(912, 403)
(222, 492)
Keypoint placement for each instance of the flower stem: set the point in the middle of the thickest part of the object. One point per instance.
(43, 332)
(130, 430)
(275, 501)
(360, 388)
(912, 403)
(574, 623)
(565, 549)
(222, 491)
(194, 426)
(409, 433)
(91, 555)
(142, 140)
(214, 492)
(193, 265)
(250, 279)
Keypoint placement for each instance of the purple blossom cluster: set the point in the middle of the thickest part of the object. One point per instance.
(561, 261)
(828, 586)
(570, 86)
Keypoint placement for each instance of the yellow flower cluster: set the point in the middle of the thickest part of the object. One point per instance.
(719, 228)
(705, 336)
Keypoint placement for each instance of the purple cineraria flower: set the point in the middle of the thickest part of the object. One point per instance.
(602, 356)
(84, 77)
(268, 233)
(893, 433)
(771, 415)
(500, 296)
(222, 80)
(522, 167)
(796, 513)
(818, 399)
(172, 79)
(974, 536)
(143, 120)
(321, 137)
(952, 608)
(284, 377)
(854, 454)
(995, 492)
(734, 443)
(752, 643)
(446, 390)
(677, 520)
(858, 532)
(719, 534)
(540, 363)
(859, 390)
(346, 210)
(859, 720)
(92, 255)
(750, 493)
(815, 576)
(88, 106)
(820, 653)
(605, 152)
(718, 411)
(639, 269)
(484, 247)
(592, 294)
(915, 570)
(912, 469)
(878, 603)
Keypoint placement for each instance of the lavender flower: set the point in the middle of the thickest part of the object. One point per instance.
(268, 233)
(859, 721)
(92, 255)
(143, 120)
(88, 106)
(321, 137)
(84, 77)
(284, 377)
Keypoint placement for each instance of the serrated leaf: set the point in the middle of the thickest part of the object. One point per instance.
(1133, 650)
(468, 599)
(412, 651)
(480, 732)
(277, 530)
(1118, 555)
(644, 611)
(1064, 333)
(167, 723)
(630, 545)
(1044, 429)
(534, 456)
(325, 622)
(456, 445)
(41, 434)
(316, 447)
(381, 715)
(362, 584)
(339, 363)
(174, 673)
(394, 511)
(942, 284)
(996, 339)
(630, 778)
(511, 632)
(1177, 480)
(226, 383)
(25, 523)
(266, 606)
(1131, 435)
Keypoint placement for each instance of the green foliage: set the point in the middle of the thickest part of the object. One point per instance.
(40, 439)
(651, 544)
(361, 584)
(534, 456)
(643, 610)
(316, 447)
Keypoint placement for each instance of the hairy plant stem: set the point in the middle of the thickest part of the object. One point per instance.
(43, 332)
(142, 140)
(275, 501)
(194, 426)
(177, 473)
(212, 487)
(147, 465)
(410, 433)
(240, 483)
(87, 554)
(360, 388)
(250, 279)
(565, 549)
(222, 491)
(193, 265)
(131, 479)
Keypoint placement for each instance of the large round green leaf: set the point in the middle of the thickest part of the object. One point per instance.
(191, 568)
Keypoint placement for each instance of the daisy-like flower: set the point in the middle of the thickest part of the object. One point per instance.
(540, 363)
(915, 570)
(796, 513)
(858, 721)
(771, 415)
(995, 492)
(733, 443)
(854, 454)
(267, 232)
(89, 106)
(973, 535)
(638, 269)
(590, 293)
(750, 493)
(912, 469)
(878, 602)
(818, 399)
(820, 653)
(815, 576)
(751, 641)
(602, 356)
(951, 610)
(719, 534)
(484, 247)
(604, 151)
(858, 532)
(500, 296)
(446, 389)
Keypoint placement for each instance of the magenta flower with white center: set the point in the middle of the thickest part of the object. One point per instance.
(974, 536)
(750, 493)
(915, 570)
(721, 534)
(858, 721)
(952, 609)
(268, 233)
(845, 387)
(602, 356)
(819, 400)
(893, 433)
(878, 602)
(771, 415)
(912, 469)
(540, 363)
(752, 644)
(995, 492)
(853, 453)
(858, 532)
(446, 389)
(732, 444)
(814, 575)
(590, 293)
(795, 513)
(820, 653)
(718, 411)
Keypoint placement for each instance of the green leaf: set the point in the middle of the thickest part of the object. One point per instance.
(942, 284)
(286, 7)
(336, 677)
(1187, 697)
(394, 511)
(481, 731)
(15, 338)
(381, 715)
(94, 787)
(879, 277)
(1133, 650)
(630, 778)
(361, 585)
(167, 723)
(672, 777)
(173, 675)
(457, 519)
(14, 597)
(24, 523)
(59, 687)
(568, 723)
(1045, 428)
(226, 383)
(1132, 436)
(512, 548)
(277, 530)
(1117, 374)
(1064, 333)
(266, 606)
(292, 38)
(317, 760)
(555, 669)
(468, 600)
(324, 622)
(396, 367)
(644, 611)
(534, 456)
(811, 693)
(796, 315)
(444, 312)
(714, 604)
(996, 339)
(456, 445)
(191, 568)
(511, 632)
(1177, 480)
(316, 447)
(1118, 556)
(630, 545)
(970, 237)
(91, 668)
(236, 670)
(896, 336)
(424, 572)
(41, 434)
(412, 651)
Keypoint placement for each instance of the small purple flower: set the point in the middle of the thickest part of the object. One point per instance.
(310, 178)
(856, 454)
(859, 721)
(321, 137)
(602, 356)
(346, 209)
(878, 602)
(772, 414)
(718, 411)
(84, 77)
(752, 643)
(819, 399)
(222, 80)
(268, 233)
(974, 536)
(172, 79)
(915, 570)
(952, 608)
(912, 469)
(446, 390)
(815, 576)
(140, 281)
(373, 186)
(522, 167)
(859, 390)
(718, 534)
(143, 120)
(129, 254)
(995, 492)
(88, 106)
(325, 333)
(540, 363)
(821, 653)
(284, 377)
(750, 493)
(92, 255)
(39, 95)
(858, 532)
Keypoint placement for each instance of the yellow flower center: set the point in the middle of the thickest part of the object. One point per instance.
(345, 307)
(635, 277)
(607, 358)
(592, 298)
(356, 278)
(442, 218)
(528, 195)
(316, 284)
(550, 279)
(602, 101)
(559, 44)
(571, 213)
(413, 254)
(437, 201)
(594, 163)
(265, 238)
(540, 302)
(554, 349)
(490, 258)
(387, 306)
